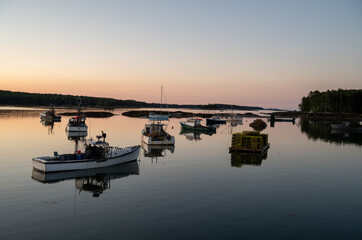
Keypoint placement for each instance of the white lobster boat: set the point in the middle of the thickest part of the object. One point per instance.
(50, 116)
(97, 154)
(77, 124)
(154, 134)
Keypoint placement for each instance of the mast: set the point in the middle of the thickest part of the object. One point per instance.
(161, 100)
(79, 101)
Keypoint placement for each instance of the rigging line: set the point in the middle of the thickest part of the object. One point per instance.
(165, 100)
(75, 198)
(161, 100)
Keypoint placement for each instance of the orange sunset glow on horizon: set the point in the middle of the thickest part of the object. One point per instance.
(244, 53)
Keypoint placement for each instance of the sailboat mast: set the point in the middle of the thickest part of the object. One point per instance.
(161, 101)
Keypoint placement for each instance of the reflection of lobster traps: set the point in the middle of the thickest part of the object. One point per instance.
(249, 141)
(239, 159)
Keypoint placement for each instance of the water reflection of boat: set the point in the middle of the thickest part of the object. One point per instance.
(194, 135)
(195, 125)
(235, 119)
(156, 151)
(49, 124)
(91, 180)
(239, 159)
(215, 120)
(236, 123)
(76, 135)
(97, 154)
(346, 126)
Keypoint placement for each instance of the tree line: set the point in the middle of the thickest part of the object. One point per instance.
(334, 101)
(218, 106)
(40, 99)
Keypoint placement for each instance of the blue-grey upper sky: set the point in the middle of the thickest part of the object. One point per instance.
(265, 53)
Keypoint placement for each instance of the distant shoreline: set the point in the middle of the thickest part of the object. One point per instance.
(25, 99)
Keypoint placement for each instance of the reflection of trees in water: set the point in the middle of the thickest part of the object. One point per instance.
(258, 125)
(322, 130)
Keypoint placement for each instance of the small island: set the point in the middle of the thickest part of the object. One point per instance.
(90, 114)
(181, 114)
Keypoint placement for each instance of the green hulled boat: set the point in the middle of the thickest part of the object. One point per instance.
(195, 125)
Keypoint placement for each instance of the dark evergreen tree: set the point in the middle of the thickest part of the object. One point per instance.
(335, 101)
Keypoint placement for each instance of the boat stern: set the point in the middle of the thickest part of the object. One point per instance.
(39, 165)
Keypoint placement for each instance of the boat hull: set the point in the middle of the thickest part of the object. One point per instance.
(197, 128)
(76, 129)
(68, 165)
(168, 140)
(113, 172)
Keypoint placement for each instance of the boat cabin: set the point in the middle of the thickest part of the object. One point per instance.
(158, 117)
(95, 149)
(77, 121)
(152, 128)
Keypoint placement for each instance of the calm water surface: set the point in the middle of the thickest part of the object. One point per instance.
(309, 185)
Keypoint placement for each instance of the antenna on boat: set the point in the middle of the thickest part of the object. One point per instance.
(79, 102)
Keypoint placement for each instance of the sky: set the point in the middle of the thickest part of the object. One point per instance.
(255, 53)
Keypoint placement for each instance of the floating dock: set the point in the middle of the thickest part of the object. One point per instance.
(249, 141)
